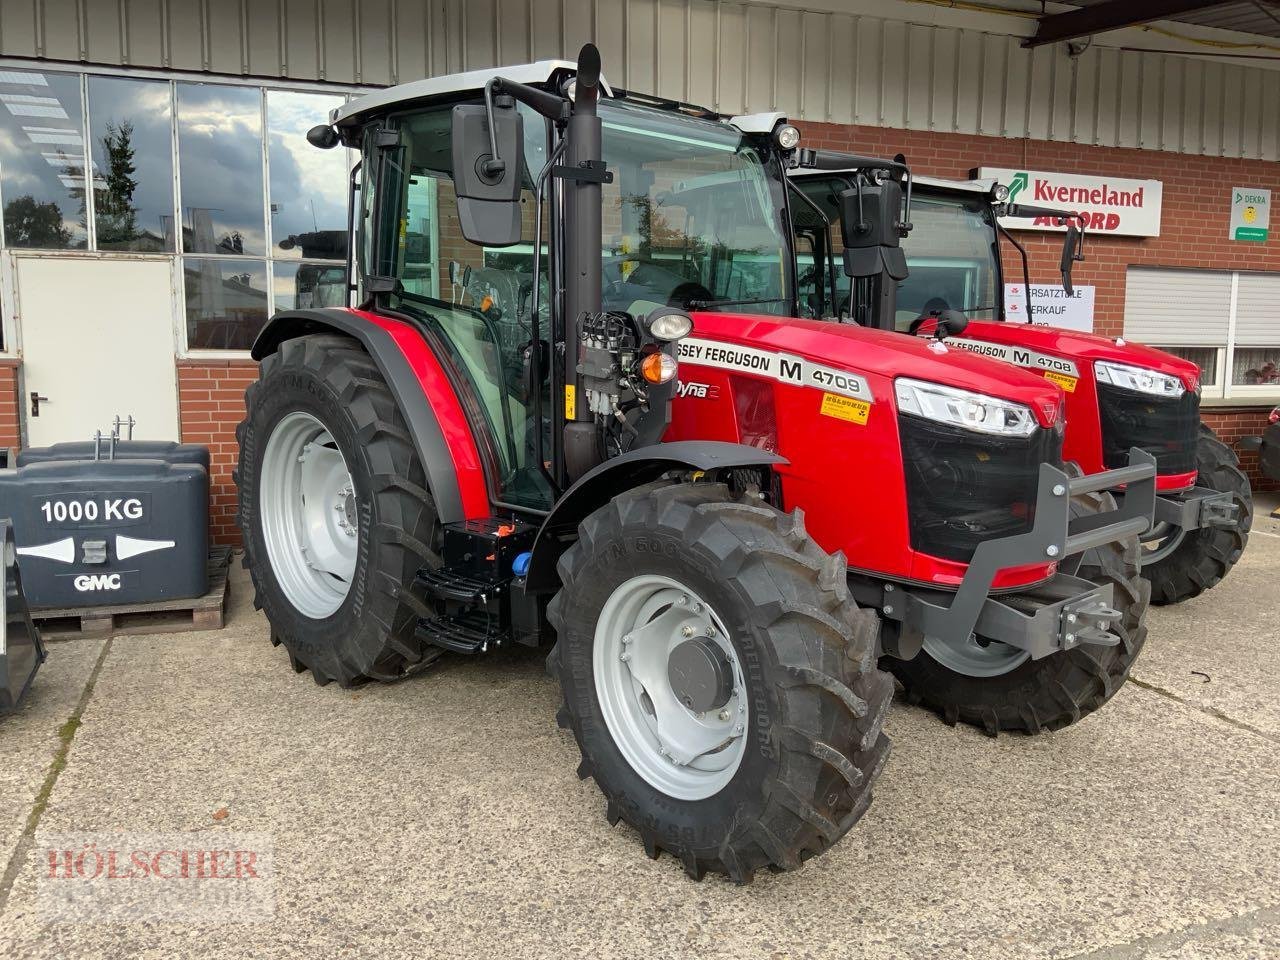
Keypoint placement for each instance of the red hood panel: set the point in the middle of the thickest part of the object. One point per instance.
(882, 356)
(1087, 347)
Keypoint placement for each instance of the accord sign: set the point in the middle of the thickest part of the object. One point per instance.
(1107, 205)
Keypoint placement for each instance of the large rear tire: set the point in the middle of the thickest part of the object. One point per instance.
(798, 743)
(993, 687)
(334, 512)
(1183, 564)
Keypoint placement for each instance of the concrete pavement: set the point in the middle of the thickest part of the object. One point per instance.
(440, 816)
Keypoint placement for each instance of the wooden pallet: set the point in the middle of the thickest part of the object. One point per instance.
(160, 616)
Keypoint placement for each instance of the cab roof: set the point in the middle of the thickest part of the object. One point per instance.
(932, 183)
(473, 81)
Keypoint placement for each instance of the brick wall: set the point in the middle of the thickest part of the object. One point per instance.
(9, 428)
(211, 402)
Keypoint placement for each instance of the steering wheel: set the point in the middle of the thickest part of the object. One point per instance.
(934, 308)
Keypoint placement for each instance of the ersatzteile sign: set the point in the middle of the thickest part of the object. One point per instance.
(1250, 214)
(1107, 205)
(1051, 305)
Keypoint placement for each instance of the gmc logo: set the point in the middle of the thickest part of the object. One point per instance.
(702, 391)
(98, 581)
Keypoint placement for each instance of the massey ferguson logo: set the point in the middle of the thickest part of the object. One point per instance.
(97, 581)
(699, 391)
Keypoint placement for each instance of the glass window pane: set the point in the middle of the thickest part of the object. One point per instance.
(42, 160)
(220, 168)
(308, 185)
(308, 286)
(1205, 357)
(131, 142)
(1256, 366)
(226, 302)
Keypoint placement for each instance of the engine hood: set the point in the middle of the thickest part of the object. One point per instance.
(1086, 347)
(876, 355)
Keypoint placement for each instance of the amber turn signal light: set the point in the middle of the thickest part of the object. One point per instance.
(657, 368)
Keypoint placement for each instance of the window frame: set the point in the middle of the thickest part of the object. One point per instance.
(1222, 392)
(83, 74)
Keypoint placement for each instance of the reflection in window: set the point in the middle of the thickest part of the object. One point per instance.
(308, 186)
(1204, 357)
(1256, 367)
(42, 180)
(308, 286)
(227, 302)
(220, 162)
(130, 137)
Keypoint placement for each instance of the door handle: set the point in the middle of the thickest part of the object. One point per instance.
(36, 400)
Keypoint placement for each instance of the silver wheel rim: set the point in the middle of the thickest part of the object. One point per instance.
(685, 754)
(309, 517)
(1164, 539)
(971, 658)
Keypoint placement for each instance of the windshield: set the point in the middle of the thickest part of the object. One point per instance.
(690, 217)
(951, 255)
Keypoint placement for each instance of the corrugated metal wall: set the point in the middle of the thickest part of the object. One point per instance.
(733, 56)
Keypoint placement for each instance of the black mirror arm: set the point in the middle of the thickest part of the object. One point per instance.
(1026, 268)
(550, 105)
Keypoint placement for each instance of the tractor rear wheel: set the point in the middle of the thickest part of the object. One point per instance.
(995, 687)
(718, 678)
(334, 512)
(1182, 564)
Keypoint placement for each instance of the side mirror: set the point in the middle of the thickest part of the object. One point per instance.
(1072, 250)
(486, 171)
(869, 227)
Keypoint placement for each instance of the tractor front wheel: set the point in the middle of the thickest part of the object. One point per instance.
(719, 680)
(1182, 564)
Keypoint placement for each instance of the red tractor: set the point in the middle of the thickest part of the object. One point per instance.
(1119, 394)
(723, 521)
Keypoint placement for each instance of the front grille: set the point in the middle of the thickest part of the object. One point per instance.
(965, 487)
(1165, 427)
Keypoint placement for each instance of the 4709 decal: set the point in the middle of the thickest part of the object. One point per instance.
(783, 367)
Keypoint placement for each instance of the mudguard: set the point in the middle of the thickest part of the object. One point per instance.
(599, 485)
(21, 651)
(424, 427)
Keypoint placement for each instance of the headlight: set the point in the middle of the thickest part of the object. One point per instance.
(670, 326)
(786, 136)
(1138, 379)
(961, 408)
(999, 193)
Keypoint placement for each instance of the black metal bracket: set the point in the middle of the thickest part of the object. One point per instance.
(589, 171)
(1197, 508)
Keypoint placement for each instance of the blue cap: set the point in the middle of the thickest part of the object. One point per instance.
(520, 565)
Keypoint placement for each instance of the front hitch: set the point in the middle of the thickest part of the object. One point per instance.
(1053, 616)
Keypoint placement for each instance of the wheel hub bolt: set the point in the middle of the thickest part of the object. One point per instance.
(686, 631)
(723, 715)
(625, 657)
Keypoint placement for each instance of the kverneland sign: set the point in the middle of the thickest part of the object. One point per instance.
(1106, 204)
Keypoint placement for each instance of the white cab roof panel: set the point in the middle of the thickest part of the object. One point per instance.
(473, 80)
